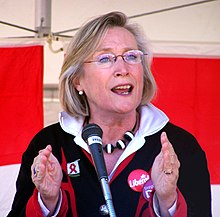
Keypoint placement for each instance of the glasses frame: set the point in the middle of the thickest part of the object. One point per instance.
(115, 57)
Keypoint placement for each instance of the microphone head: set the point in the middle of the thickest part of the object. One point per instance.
(91, 130)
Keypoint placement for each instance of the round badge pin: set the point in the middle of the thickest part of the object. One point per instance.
(147, 189)
(137, 179)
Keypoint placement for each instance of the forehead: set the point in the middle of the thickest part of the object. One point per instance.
(118, 38)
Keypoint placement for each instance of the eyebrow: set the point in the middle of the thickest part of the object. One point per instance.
(103, 50)
(110, 50)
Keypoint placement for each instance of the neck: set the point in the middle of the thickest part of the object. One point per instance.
(115, 128)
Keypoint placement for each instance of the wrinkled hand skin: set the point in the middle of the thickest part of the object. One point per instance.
(164, 174)
(47, 176)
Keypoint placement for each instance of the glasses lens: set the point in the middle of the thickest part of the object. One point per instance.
(105, 60)
(133, 56)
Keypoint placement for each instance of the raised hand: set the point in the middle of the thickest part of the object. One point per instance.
(165, 173)
(47, 176)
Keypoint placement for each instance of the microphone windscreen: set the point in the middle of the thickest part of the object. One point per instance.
(91, 130)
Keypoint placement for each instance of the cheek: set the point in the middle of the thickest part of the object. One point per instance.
(94, 83)
(139, 76)
(89, 77)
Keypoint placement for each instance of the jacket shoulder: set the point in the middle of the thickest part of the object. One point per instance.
(182, 140)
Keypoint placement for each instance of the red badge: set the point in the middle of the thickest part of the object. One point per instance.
(137, 179)
(147, 189)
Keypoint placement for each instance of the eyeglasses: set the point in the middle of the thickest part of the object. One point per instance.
(107, 60)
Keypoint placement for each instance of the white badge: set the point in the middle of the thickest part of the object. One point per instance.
(73, 169)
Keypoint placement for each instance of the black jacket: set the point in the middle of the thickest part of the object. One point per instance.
(194, 182)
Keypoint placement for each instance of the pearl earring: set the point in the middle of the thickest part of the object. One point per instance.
(81, 92)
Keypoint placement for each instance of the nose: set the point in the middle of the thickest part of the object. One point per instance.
(120, 67)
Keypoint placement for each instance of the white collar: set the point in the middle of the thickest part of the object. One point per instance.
(152, 120)
(74, 126)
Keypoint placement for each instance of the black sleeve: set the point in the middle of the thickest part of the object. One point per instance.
(194, 183)
(24, 184)
(194, 179)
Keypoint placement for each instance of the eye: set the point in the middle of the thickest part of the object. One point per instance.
(132, 56)
(104, 58)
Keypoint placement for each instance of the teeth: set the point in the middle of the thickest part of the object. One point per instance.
(123, 90)
(123, 87)
(125, 93)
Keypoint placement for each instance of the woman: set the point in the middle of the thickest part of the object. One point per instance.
(106, 80)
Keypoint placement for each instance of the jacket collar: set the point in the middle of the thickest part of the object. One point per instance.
(152, 120)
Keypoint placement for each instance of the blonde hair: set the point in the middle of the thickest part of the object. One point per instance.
(82, 46)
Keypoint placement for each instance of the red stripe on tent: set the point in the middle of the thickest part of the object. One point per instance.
(21, 94)
(189, 93)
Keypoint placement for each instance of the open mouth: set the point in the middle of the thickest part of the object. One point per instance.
(122, 90)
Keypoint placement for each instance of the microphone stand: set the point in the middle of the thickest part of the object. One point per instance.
(108, 197)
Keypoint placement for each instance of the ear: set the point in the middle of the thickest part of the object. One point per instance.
(77, 84)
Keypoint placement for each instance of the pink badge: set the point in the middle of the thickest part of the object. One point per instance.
(137, 179)
(147, 189)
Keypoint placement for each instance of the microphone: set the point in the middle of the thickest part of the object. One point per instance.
(92, 135)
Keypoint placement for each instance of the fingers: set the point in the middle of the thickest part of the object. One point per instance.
(39, 165)
(165, 172)
(171, 162)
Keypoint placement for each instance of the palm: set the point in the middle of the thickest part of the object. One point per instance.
(49, 176)
(165, 172)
